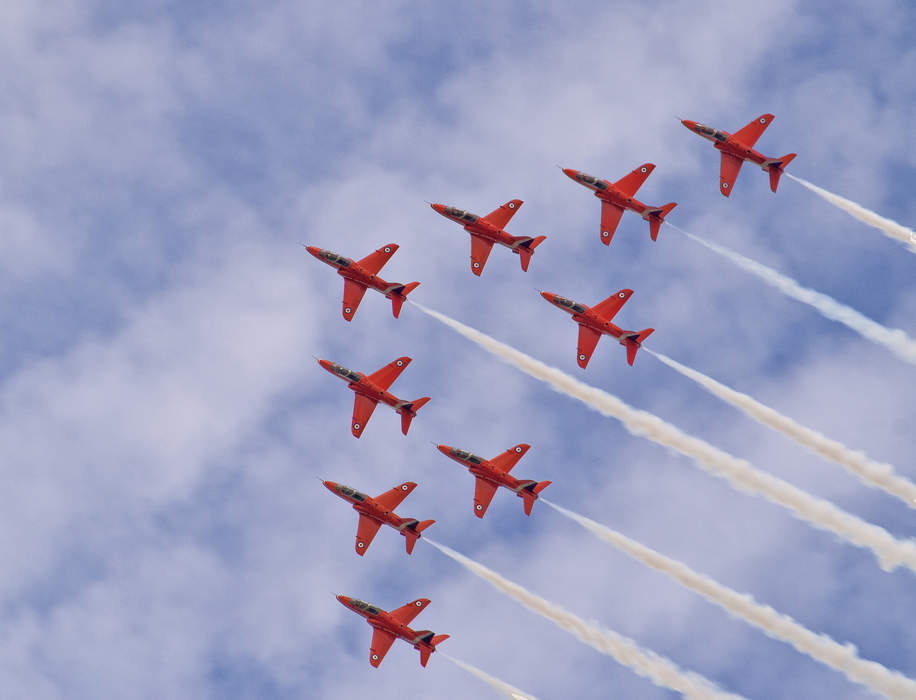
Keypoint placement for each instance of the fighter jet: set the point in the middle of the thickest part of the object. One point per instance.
(491, 474)
(487, 230)
(617, 197)
(378, 511)
(374, 388)
(596, 320)
(388, 626)
(739, 147)
(362, 274)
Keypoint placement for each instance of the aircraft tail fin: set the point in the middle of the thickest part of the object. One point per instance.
(776, 168)
(633, 344)
(409, 410)
(526, 249)
(430, 646)
(412, 533)
(530, 494)
(398, 296)
(656, 216)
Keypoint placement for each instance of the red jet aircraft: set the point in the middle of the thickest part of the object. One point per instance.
(739, 147)
(378, 511)
(494, 473)
(487, 230)
(617, 197)
(596, 320)
(388, 626)
(362, 274)
(374, 388)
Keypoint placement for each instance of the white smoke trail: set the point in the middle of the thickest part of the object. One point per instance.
(493, 682)
(647, 664)
(894, 339)
(890, 551)
(877, 474)
(887, 226)
(841, 657)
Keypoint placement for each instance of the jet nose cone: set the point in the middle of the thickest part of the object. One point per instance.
(325, 364)
(689, 124)
(548, 296)
(439, 208)
(570, 172)
(344, 600)
(444, 449)
(330, 485)
(314, 250)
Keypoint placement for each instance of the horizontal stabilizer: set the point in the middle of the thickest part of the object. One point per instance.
(633, 343)
(530, 493)
(526, 249)
(409, 410)
(430, 647)
(398, 296)
(776, 168)
(655, 218)
(412, 533)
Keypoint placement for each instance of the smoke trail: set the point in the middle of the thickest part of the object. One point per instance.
(890, 551)
(508, 690)
(893, 339)
(656, 668)
(841, 657)
(889, 227)
(877, 474)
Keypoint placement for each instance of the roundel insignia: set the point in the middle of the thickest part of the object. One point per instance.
(622, 295)
(477, 506)
(476, 264)
(419, 603)
(642, 169)
(399, 363)
(356, 426)
(518, 449)
(581, 356)
(763, 120)
(360, 544)
(512, 205)
(375, 657)
(404, 487)
(605, 234)
(348, 310)
(725, 185)
(387, 249)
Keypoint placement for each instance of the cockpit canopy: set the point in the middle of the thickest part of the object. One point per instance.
(709, 131)
(461, 214)
(569, 304)
(592, 181)
(365, 607)
(351, 493)
(344, 372)
(467, 456)
(336, 259)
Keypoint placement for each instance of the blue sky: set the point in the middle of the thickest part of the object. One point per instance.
(162, 530)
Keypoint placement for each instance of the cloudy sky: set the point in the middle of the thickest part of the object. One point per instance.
(162, 530)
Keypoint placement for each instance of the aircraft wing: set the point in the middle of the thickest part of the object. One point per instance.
(392, 498)
(728, 173)
(749, 134)
(483, 494)
(407, 612)
(588, 339)
(353, 295)
(374, 262)
(610, 217)
(381, 643)
(365, 533)
(608, 308)
(362, 412)
(480, 251)
(509, 458)
(384, 377)
(629, 184)
(500, 217)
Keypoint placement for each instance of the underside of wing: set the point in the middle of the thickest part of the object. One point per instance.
(500, 217)
(374, 262)
(608, 308)
(728, 173)
(749, 134)
(384, 377)
(381, 643)
(353, 295)
(362, 412)
(630, 184)
(365, 533)
(509, 458)
(392, 498)
(480, 251)
(483, 494)
(588, 339)
(407, 612)
(610, 217)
